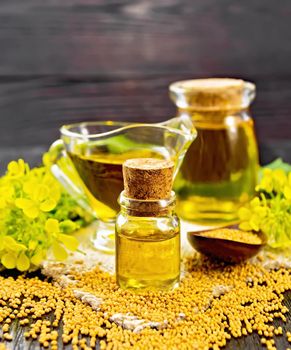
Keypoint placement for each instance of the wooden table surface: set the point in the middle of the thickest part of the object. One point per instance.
(72, 60)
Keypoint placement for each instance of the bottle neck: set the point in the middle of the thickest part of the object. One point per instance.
(147, 208)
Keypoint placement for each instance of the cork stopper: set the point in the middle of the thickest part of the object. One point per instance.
(212, 94)
(148, 178)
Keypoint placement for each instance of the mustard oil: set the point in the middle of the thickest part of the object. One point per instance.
(101, 174)
(147, 258)
(147, 231)
(219, 172)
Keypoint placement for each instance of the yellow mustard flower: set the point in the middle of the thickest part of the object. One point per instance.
(7, 195)
(266, 183)
(9, 243)
(52, 227)
(17, 168)
(53, 185)
(270, 211)
(14, 256)
(38, 256)
(39, 200)
(279, 179)
(29, 200)
(272, 181)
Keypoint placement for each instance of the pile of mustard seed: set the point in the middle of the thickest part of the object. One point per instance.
(214, 303)
(234, 235)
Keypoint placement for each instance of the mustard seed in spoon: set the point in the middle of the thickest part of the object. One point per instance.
(228, 244)
(234, 235)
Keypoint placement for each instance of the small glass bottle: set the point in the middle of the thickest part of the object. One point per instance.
(219, 171)
(147, 228)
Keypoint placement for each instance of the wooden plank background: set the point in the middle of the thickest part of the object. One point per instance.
(71, 60)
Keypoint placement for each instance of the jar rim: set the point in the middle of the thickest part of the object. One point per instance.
(213, 93)
(209, 84)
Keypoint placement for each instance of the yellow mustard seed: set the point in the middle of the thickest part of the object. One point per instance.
(5, 328)
(234, 235)
(7, 336)
(213, 303)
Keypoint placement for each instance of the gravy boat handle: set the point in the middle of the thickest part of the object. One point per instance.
(67, 176)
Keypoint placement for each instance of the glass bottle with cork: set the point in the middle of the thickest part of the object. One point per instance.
(219, 171)
(147, 228)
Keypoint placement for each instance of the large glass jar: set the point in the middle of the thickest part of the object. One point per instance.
(219, 171)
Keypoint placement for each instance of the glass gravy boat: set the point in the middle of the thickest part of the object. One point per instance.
(88, 158)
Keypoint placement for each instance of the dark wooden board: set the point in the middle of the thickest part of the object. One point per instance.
(84, 59)
(32, 110)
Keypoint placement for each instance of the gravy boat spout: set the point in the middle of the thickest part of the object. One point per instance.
(180, 144)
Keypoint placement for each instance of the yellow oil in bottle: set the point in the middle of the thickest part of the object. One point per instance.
(147, 260)
(219, 171)
(147, 230)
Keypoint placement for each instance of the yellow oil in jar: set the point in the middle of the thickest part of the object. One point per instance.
(147, 261)
(219, 172)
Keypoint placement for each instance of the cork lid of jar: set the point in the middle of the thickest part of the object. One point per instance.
(148, 178)
(212, 93)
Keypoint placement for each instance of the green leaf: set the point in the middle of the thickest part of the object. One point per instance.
(121, 143)
(279, 164)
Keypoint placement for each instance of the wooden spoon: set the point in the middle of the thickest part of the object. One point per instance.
(224, 249)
